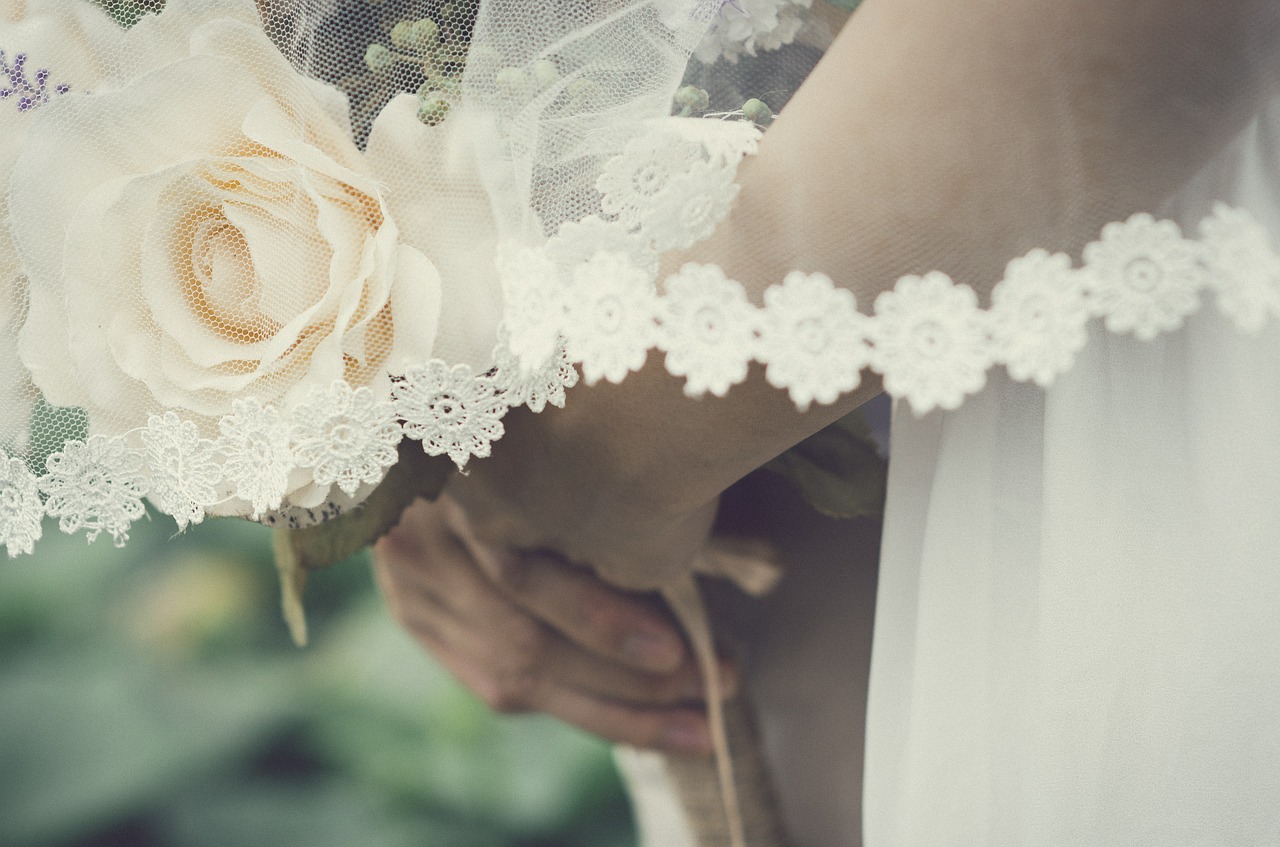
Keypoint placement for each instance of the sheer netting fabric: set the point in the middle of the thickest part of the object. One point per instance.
(249, 249)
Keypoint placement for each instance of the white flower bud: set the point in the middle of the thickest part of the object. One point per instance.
(545, 73)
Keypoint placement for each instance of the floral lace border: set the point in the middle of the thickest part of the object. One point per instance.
(928, 336)
(345, 437)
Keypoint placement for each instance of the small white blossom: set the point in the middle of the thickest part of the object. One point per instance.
(255, 441)
(738, 27)
(1246, 270)
(630, 181)
(690, 207)
(930, 342)
(538, 387)
(21, 511)
(184, 472)
(707, 329)
(812, 340)
(1143, 276)
(609, 324)
(449, 410)
(533, 305)
(1038, 316)
(347, 436)
(96, 485)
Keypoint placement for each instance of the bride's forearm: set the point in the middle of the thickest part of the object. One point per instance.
(943, 135)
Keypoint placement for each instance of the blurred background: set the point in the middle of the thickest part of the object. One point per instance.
(150, 697)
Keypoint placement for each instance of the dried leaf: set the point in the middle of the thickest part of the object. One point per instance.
(301, 550)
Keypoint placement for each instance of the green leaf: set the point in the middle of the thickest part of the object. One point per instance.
(94, 735)
(839, 470)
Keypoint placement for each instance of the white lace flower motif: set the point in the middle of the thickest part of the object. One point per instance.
(812, 339)
(609, 322)
(707, 329)
(690, 207)
(578, 241)
(725, 141)
(630, 181)
(532, 303)
(1246, 271)
(449, 410)
(1143, 276)
(930, 342)
(538, 387)
(255, 440)
(1038, 316)
(185, 474)
(347, 436)
(96, 485)
(21, 511)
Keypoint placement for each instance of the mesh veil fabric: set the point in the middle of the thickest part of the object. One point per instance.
(248, 249)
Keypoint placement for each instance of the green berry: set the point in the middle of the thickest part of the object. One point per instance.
(757, 111)
(690, 99)
(433, 108)
(378, 58)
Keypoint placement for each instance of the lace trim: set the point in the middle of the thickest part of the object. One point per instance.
(928, 337)
(341, 437)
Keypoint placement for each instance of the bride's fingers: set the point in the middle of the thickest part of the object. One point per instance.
(624, 627)
(678, 729)
(633, 630)
(437, 592)
(518, 654)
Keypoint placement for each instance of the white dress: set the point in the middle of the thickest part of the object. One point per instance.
(1077, 635)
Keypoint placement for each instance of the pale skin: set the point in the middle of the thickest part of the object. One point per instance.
(627, 477)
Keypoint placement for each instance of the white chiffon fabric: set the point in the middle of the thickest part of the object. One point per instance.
(1077, 636)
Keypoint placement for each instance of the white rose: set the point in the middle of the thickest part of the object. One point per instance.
(47, 47)
(208, 232)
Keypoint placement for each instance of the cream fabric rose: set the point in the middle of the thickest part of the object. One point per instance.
(72, 44)
(208, 232)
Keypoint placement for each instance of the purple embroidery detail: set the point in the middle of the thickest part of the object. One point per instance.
(29, 95)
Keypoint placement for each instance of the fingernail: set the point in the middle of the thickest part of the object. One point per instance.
(660, 650)
(687, 736)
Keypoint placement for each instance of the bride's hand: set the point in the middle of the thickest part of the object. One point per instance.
(532, 633)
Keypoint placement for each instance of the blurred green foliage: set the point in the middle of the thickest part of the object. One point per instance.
(150, 697)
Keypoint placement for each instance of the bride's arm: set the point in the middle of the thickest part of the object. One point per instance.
(933, 135)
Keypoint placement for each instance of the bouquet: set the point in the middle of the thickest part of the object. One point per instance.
(254, 268)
